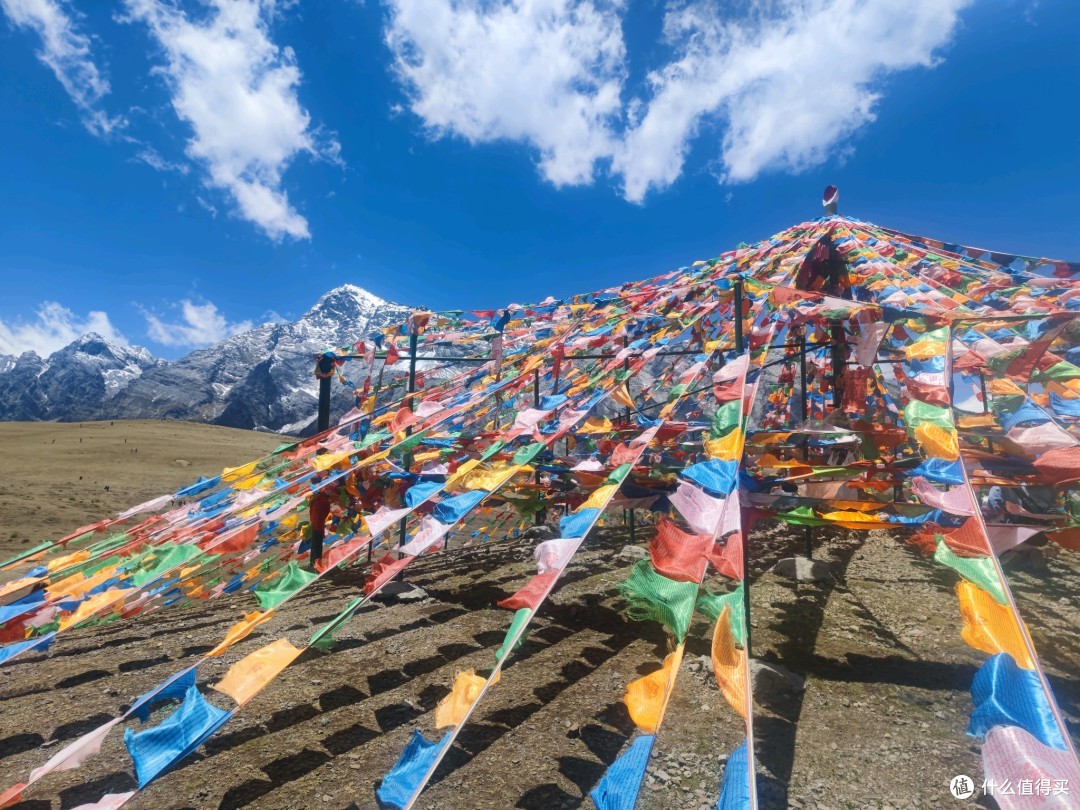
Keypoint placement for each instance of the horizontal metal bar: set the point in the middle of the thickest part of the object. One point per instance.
(437, 358)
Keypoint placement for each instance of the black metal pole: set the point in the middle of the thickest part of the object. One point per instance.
(839, 356)
(802, 378)
(738, 316)
(986, 408)
(325, 374)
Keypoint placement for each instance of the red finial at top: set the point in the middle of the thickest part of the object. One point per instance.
(830, 198)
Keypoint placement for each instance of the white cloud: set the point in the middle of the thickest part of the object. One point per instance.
(199, 325)
(152, 158)
(238, 92)
(545, 72)
(788, 87)
(66, 51)
(785, 84)
(54, 328)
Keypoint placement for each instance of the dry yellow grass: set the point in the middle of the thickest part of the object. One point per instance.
(53, 476)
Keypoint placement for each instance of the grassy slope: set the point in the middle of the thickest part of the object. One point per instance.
(53, 476)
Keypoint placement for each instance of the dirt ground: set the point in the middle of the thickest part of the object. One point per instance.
(878, 723)
(53, 475)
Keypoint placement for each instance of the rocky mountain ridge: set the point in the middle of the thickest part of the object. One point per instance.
(262, 379)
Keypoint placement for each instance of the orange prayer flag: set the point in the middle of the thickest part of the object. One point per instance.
(728, 665)
(622, 396)
(19, 584)
(453, 708)
(647, 698)
(991, 627)
(241, 629)
(250, 674)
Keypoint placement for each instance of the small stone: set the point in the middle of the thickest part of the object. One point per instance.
(801, 569)
(772, 678)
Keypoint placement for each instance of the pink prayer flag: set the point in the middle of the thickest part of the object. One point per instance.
(867, 342)
(701, 511)
(110, 801)
(431, 531)
(147, 506)
(1004, 536)
(1011, 753)
(733, 370)
(553, 555)
(1037, 440)
(383, 518)
(76, 753)
(956, 501)
(529, 418)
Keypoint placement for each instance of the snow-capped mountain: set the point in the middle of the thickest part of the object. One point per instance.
(262, 379)
(77, 382)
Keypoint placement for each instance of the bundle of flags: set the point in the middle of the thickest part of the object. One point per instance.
(837, 374)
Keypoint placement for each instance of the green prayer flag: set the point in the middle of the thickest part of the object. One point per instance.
(978, 571)
(528, 453)
(651, 595)
(521, 618)
(492, 450)
(725, 419)
(164, 558)
(713, 604)
(292, 579)
(918, 412)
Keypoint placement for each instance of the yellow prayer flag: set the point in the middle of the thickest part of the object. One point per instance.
(925, 349)
(937, 441)
(328, 460)
(236, 473)
(597, 424)
(599, 498)
(726, 448)
(65, 560)
(459, 475)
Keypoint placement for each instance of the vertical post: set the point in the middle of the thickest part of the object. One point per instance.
(839, 357)
(809, 542)
(541, 515)
(986, 408)
(738, 315)
(802, 376)
(325, 373)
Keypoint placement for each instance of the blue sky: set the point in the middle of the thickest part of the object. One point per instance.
(175, 172)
